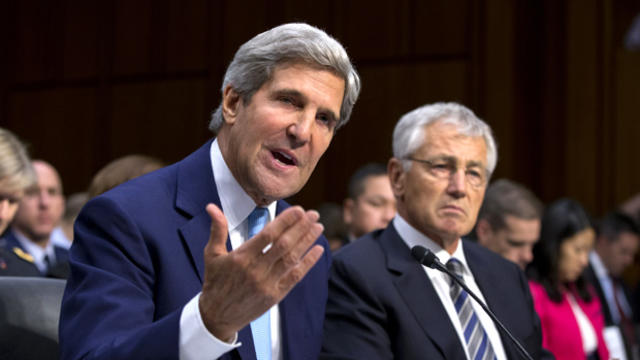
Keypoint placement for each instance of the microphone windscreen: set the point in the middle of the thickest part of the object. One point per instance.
(423, 255)
(418, 252)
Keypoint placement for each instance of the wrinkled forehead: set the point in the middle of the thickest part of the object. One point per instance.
(446, 141)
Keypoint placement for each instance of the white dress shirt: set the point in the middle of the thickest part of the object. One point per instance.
(440, 281)
(196, 342)
(587, 332)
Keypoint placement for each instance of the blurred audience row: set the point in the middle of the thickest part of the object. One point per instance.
(36, 222)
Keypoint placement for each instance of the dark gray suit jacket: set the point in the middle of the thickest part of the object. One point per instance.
(382, 305)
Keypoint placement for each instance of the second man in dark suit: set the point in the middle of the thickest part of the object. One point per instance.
(383, 304)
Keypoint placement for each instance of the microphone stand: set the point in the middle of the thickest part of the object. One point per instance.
(430, 257)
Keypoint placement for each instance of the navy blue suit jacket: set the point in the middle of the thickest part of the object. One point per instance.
(382, 304)
(137, 259)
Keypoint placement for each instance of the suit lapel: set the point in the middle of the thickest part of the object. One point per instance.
(421, 298)
(495, 300)
(196, 188)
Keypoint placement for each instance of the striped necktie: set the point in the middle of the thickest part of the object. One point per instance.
(260, 327)
(478, 344)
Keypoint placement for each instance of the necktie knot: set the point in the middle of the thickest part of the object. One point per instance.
(455, 266)
(257, 220)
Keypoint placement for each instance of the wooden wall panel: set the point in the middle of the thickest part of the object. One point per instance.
(57, 132)
(80, 40)
(550, 77)
(132, 37)
(583, 109)
(627, 127)
(442, 28)
(380, 33)
(161, 119)
(33, 48)
(497, 79)
(186, 36)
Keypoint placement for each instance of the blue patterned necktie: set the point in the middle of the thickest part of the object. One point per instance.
(260, 327)
(478, 344)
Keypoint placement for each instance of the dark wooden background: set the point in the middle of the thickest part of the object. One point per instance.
(84, 82)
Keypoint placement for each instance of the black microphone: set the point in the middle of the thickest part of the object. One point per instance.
(427, 258)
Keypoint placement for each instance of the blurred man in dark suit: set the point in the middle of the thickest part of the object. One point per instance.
(617, 242)
(383, 304)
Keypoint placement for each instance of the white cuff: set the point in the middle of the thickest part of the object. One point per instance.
(196, 342)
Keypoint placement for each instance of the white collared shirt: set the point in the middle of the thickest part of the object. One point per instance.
(36, 250)
(441, 284)
(196, 342)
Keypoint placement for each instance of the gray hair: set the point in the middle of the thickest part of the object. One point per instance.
(410, 131)
(255, 61)
(16, 171)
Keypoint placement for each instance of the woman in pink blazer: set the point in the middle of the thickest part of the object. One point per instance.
(569, 310)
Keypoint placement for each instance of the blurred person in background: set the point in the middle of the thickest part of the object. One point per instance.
(568, 307)
(509, 221)
(63, 234)
(122, 170)
(334, 228)
(617, 242)
(39, 212)
(370, 204)
(16, 175)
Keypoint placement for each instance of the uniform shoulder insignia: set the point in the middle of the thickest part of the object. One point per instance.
(23, 255)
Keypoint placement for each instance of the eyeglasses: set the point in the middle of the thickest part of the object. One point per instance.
(444, 169)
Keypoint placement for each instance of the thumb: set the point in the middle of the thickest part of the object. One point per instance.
(218, 236)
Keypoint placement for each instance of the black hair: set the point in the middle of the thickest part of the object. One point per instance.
(561, 220)
(616, 223)
(356, 183)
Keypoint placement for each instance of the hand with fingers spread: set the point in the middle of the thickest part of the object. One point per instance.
(241, 285)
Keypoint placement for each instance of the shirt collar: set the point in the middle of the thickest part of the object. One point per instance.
(236, 203)
(598, 267)
(36, 250)
(412, 237)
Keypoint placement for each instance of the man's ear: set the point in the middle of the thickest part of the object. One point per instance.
(396, 173)
(483, 232)
(231, 102)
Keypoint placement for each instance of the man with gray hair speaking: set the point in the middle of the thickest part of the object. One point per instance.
(202, 259)
(383, 304)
